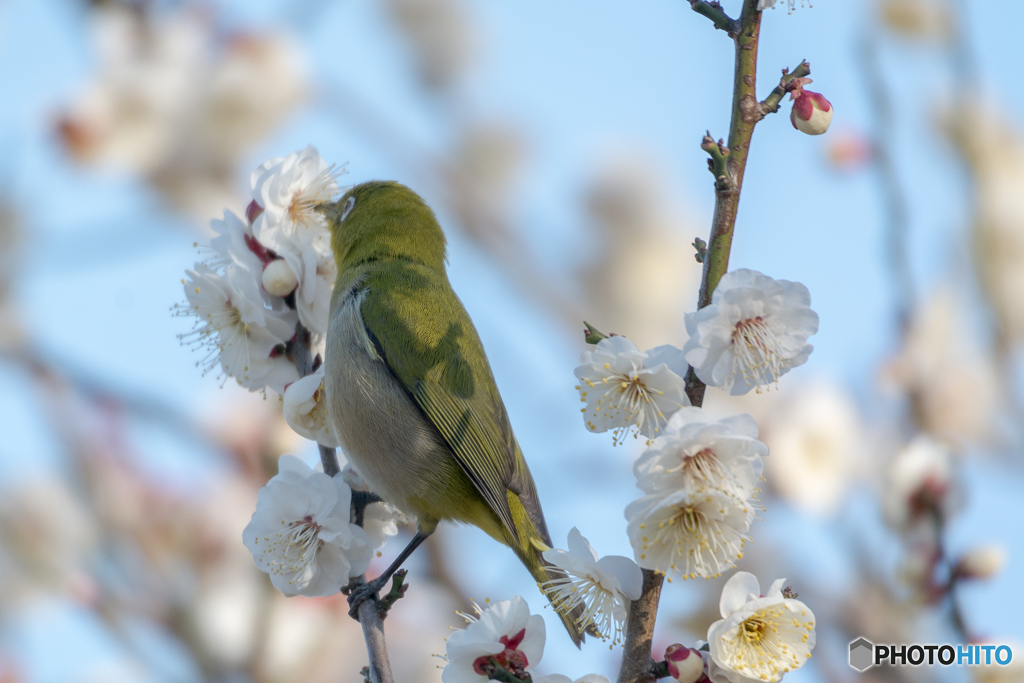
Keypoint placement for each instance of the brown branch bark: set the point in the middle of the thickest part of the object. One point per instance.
(728, 164)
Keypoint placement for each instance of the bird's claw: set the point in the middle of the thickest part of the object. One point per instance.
(361, 593)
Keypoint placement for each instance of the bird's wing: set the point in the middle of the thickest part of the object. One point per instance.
(423, 334)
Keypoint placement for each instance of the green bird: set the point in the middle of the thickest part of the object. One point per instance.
(410, 391)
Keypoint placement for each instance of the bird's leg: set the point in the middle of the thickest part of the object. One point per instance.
(370, 589)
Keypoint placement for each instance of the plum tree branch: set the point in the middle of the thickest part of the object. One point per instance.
(300, 352)
(712, 9)
(728, 164)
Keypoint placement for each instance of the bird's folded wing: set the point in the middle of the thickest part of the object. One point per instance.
(435, 353)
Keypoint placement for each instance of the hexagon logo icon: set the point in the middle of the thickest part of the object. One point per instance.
(862, 654)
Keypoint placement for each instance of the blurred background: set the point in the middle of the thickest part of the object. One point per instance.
(559, 144)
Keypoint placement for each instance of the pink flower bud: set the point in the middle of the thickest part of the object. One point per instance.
(812, 113)
(253, 211)
(278, 278)
(982, 562)
(684, 663)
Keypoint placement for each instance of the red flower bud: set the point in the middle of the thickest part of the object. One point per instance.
(812, 113)
(684, 663)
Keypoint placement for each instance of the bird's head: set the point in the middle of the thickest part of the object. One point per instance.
(384, 220)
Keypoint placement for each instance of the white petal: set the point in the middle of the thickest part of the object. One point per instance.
(737, 592)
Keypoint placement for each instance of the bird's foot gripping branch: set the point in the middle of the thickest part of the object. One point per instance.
(299, 297)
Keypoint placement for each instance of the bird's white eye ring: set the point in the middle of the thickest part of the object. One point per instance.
(350, 204)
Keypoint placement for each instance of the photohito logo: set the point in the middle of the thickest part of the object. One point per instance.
(864, 654)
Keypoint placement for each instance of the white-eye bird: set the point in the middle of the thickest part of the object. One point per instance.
(409, 389)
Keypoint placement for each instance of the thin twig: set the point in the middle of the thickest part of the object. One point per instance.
(713, 10)
(728, 165)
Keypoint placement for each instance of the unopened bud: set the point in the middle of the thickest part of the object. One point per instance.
(278, 278)
(982, 562)
(685, 664)
(812, 113)
(253, 211)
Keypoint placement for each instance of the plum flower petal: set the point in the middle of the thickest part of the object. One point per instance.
(300, 533)
(504, 631)
(754, 331)
(305, 410)
(603, 587)
(625, 389)
(759, 638)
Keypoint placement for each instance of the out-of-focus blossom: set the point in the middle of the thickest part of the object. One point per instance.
(505, 632)
(562, 678)
(921, 485)
(982, 562)
(289, 190)
(685, 664)
(701, 453)
(11, 261)
(46, 535)
(305, 409)
(811, 113)
(484, 167)
(954, 387)
(754, 331)
(917, 19)
(815, 440)
(998, 236)
(234, 328)
(644, 264)
(993, 672)
(626, 389)
(177, 104)
(301, 535)
(849, 150)
(439, 35)
(603, 587)
(759, 638)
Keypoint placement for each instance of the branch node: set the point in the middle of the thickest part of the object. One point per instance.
(702, 248)
(712, 9)
(787, 83)
(397, 592)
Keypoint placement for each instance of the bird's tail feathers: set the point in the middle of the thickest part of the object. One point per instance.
(529, 547)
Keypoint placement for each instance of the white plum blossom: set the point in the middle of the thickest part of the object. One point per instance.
(301, 534)
(305, 409)
(238, 332)
(754, 331)
(700, 478)
(626, 389)
(688, 533)
(288, 191)
(603, 587)
(921, 482)
(562, 678)
(760, 637)
(505, 632)
(702, 453)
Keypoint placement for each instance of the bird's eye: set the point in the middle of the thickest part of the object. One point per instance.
(350, 204)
